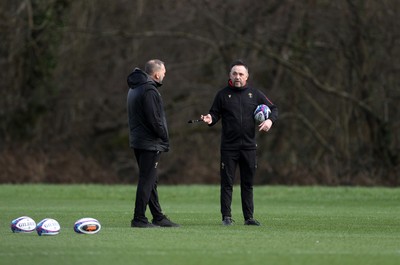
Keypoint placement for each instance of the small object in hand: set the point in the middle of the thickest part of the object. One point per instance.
(194, 121)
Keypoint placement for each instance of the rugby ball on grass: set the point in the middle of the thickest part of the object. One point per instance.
(48, 227)
(87, 226)
(261, 113)
(23, 224)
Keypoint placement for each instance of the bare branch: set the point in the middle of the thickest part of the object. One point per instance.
(147, 34)
(312, 128)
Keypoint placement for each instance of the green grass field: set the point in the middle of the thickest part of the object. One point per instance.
(301, 225)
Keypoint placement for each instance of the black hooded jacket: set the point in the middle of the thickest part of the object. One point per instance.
(235, 106)
(146, 117)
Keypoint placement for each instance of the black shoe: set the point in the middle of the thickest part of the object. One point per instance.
(142, 224)
(252, 221)
(226, 220)
(164, 222)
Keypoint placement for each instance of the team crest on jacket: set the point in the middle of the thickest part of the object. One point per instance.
(250, 95)
(229, 96)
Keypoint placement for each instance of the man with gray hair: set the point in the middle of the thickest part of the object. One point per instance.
(234, 105)
(148, 137)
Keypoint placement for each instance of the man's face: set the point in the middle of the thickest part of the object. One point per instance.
(239, 75)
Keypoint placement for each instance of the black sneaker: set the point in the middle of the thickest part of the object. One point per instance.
(142, 224)
(164, 222)
(226, 220)
(252, 221)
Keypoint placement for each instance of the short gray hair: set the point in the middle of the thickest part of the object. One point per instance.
(153, 66)
(239, 62)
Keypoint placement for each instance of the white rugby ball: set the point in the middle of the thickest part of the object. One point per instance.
(23, 224)
(48, 227)
(87, 225)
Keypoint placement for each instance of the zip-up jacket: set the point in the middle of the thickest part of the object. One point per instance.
(235, 106)
(146, 117)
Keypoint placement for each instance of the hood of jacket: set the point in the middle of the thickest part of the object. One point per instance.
(138, 77)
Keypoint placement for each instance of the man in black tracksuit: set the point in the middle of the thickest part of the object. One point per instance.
(148, 137)
(235, 105)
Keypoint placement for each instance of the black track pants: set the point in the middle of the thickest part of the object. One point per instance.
(146, 193)
(247, 161)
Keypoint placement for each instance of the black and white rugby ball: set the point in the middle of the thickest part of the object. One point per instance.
(48, 227)
(23, 224)
(87, 226)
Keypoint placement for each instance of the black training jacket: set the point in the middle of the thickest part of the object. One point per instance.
(146, 117)
(235, 106)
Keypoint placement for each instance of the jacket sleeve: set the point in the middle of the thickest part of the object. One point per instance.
(215, 110)
(153, 109)
(274, 109)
